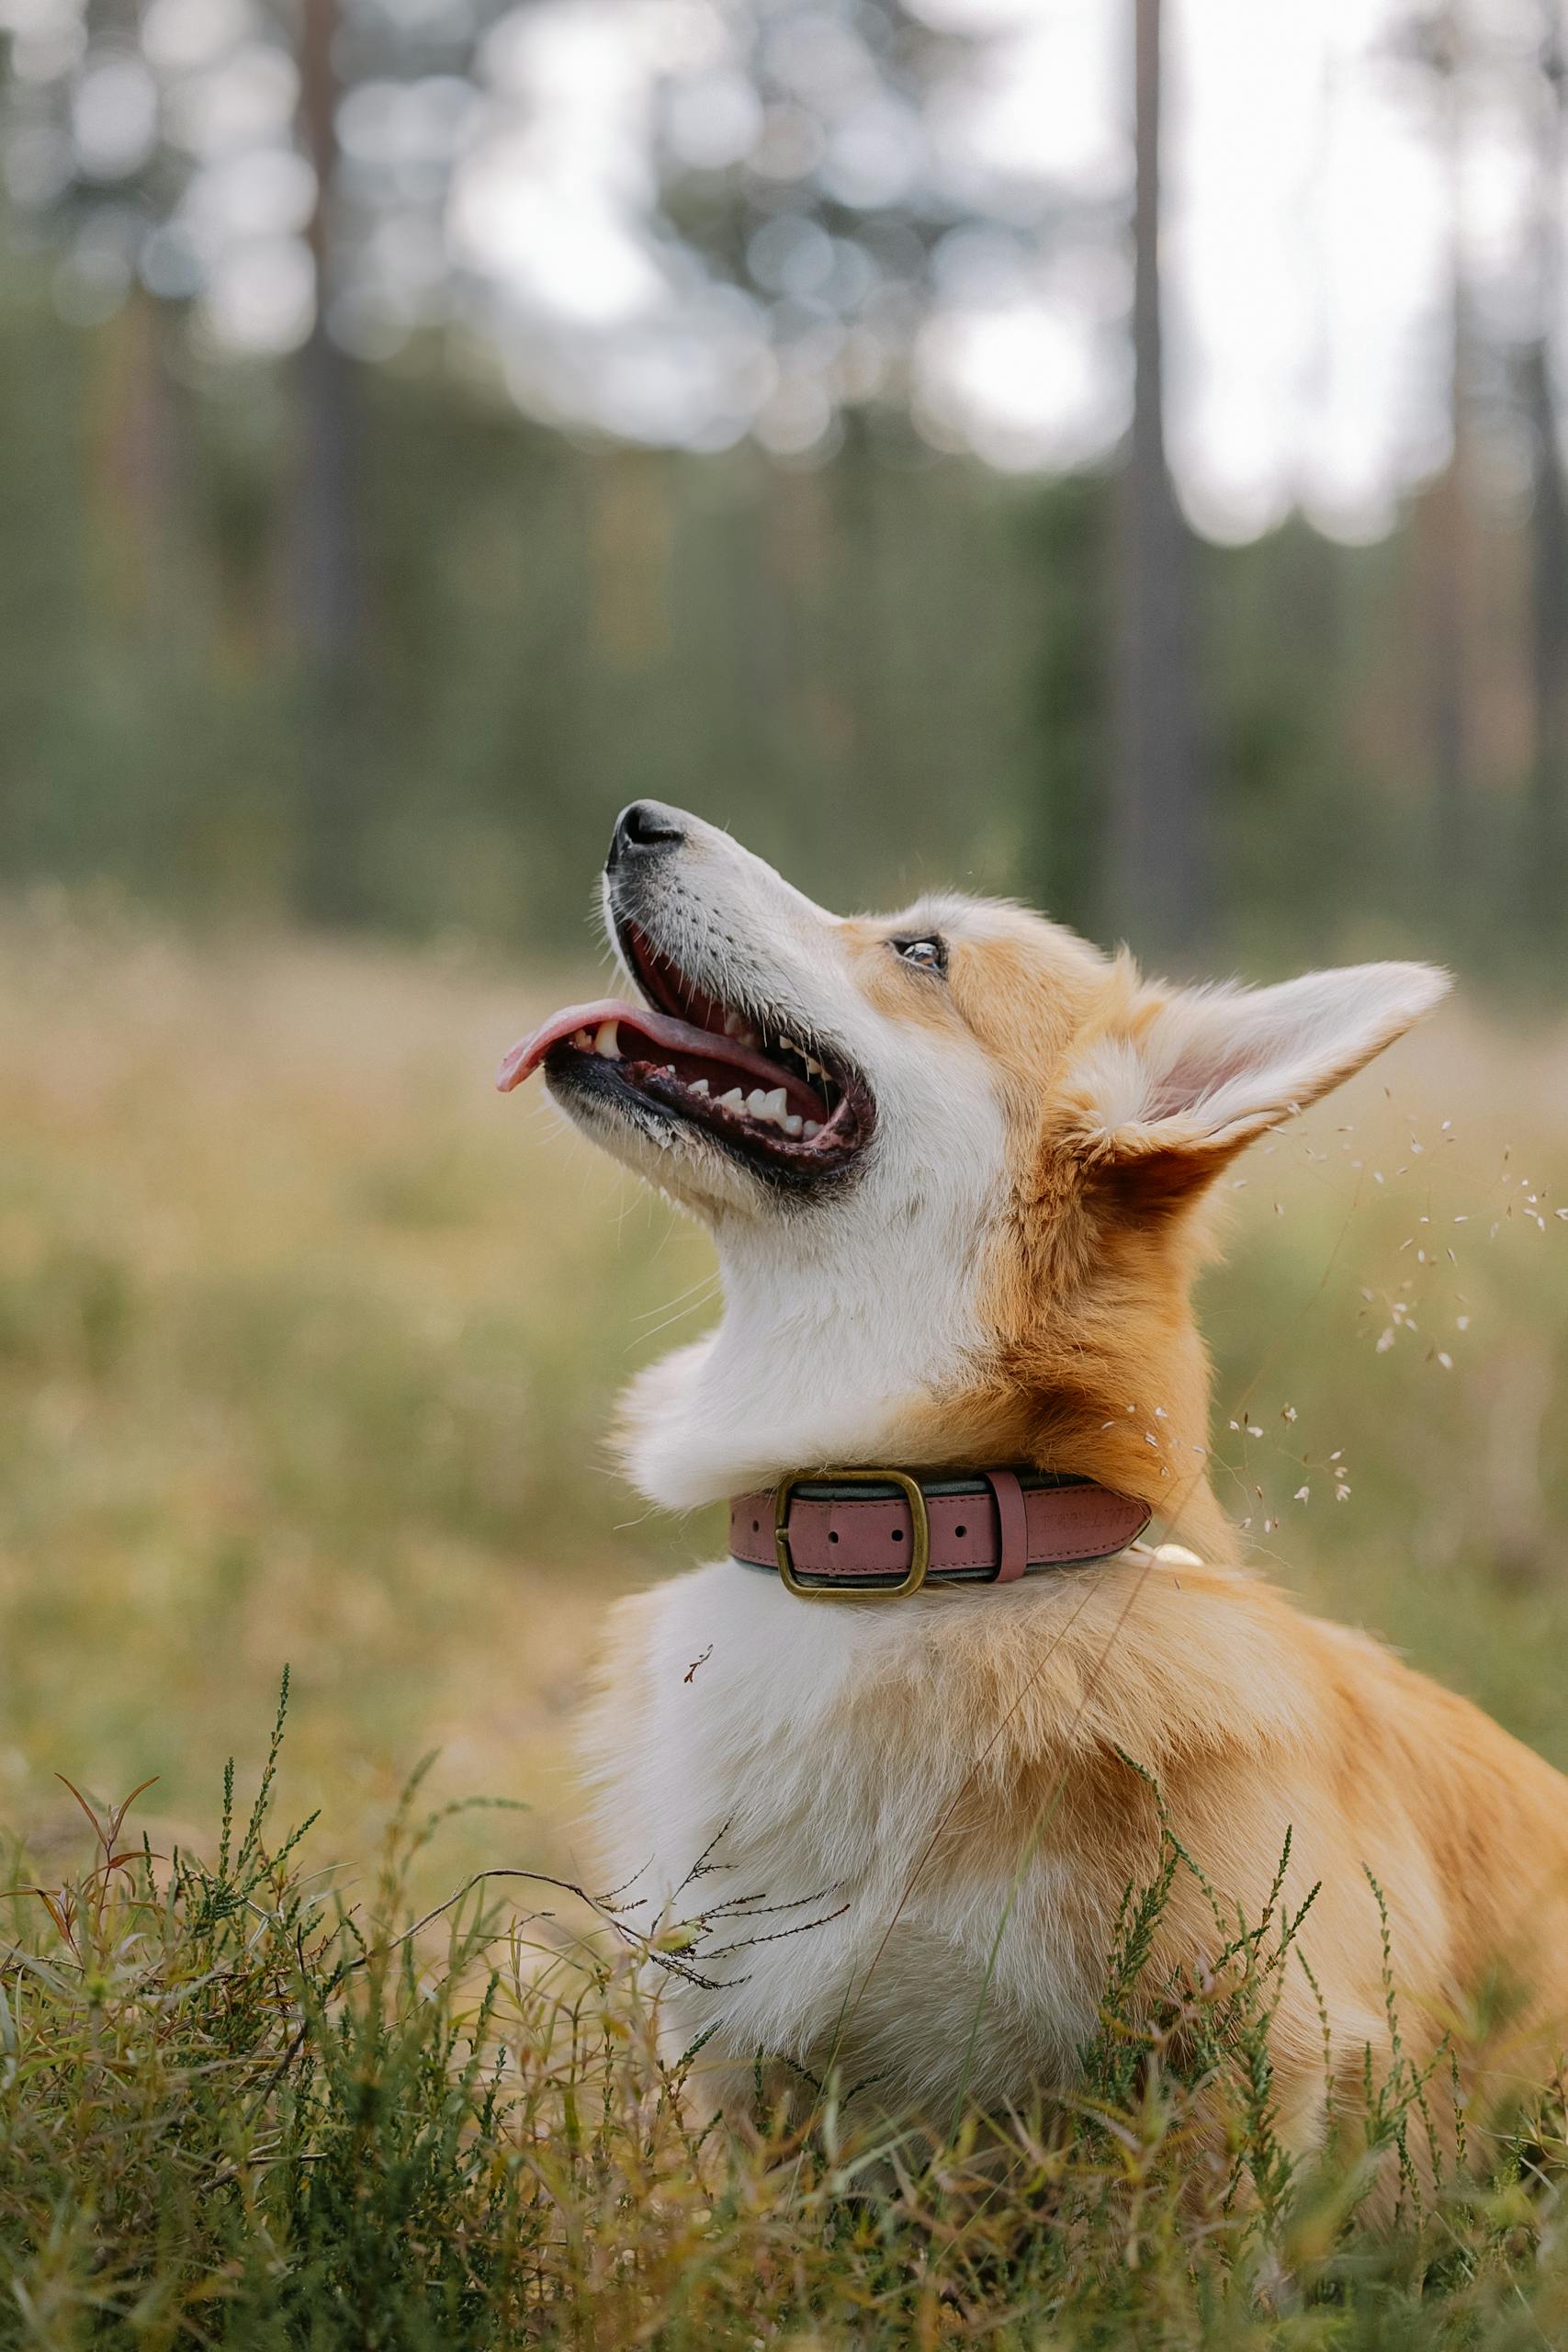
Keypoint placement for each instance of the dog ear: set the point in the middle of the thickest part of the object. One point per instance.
(1197, 1073)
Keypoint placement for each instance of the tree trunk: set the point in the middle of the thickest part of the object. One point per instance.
(141, 482)
(327, 555)
(1446, 640)
(1546, 844)
(329, 609)
(1447, 530)
(1159, 861)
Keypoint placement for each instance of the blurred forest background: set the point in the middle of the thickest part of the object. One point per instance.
(1108, 451)
(1100, 450)
(426, 423)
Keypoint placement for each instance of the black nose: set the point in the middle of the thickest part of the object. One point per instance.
(645, 826)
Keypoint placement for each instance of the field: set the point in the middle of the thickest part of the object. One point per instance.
(307, 1342)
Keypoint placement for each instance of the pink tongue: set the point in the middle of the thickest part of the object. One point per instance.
(529, 1052)
(671, 1036)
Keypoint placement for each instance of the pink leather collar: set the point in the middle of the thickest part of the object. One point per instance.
(987, 1527)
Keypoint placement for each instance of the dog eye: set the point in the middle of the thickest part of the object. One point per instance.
(927, 955)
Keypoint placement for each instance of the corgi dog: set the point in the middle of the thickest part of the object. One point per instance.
(884, 1799)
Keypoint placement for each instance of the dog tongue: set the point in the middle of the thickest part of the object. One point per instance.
(529, 1052)
(669, 1036)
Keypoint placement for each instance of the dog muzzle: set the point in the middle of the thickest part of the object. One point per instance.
(840, 1534)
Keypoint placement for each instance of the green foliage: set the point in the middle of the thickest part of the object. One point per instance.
(891, 670)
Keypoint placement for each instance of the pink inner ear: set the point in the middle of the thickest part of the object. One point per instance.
(1236, 1054)
(1197, 1074)
(1227, 1057)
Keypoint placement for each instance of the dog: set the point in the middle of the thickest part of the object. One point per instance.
(882, 1778)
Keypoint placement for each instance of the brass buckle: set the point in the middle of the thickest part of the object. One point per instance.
(920, 1561)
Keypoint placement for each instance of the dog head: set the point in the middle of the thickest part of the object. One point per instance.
(951, 1159)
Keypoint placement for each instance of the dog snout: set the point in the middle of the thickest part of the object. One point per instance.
(645, 830)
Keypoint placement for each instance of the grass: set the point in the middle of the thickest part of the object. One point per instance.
(298, 1326)
(242, 2107)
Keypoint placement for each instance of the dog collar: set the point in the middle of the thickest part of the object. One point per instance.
(839, 1533)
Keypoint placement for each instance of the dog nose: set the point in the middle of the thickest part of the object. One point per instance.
(647, 827)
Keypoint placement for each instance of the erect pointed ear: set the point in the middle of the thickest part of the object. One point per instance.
(1195, 1074)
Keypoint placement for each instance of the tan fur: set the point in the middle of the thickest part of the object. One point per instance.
(1255, 1718)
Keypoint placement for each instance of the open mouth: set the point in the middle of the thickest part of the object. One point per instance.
(754, 1080)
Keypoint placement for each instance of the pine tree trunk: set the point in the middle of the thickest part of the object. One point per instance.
(1546, 833)
(1546, 829)
(1159, 861)
(327, 555)
(1446, 531)
(329, 613)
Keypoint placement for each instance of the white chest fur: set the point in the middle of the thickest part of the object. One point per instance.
(783, 1776)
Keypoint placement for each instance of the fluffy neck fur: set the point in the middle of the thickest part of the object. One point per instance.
(813, 1363)
(814, 1360)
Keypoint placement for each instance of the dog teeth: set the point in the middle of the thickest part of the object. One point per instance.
(607, 1042)
(792, 1124)
(813, 1067)
(698, 1086)
(812, 1128)
(769, 1109)
(733, 1101)
(583, 1039)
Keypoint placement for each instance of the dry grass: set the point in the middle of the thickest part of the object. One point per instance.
(306, 1341)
